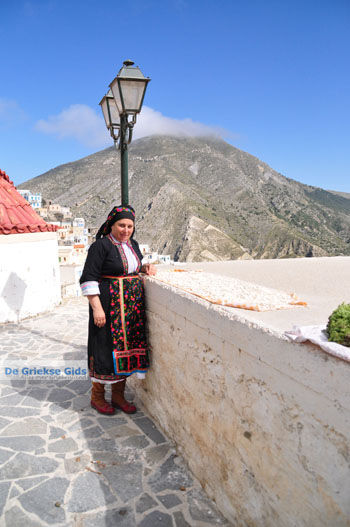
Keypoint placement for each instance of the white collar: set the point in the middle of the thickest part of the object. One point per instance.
(116, 241)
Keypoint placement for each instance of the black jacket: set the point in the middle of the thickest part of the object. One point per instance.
(104, 259)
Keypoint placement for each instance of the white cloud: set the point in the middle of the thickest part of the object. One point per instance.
(152, 122)
(10, 112)
(82, 123)
(78, 122)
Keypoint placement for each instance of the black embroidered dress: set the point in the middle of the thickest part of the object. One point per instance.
(119, 348)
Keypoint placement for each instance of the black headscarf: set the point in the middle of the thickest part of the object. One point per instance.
(117, 213)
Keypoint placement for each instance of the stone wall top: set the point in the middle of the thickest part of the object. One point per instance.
(322, 282)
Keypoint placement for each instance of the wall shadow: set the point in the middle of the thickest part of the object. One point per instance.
(13, 293)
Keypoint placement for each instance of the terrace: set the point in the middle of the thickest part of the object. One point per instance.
(262, 422)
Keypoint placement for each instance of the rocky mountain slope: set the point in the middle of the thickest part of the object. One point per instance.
(203, 199)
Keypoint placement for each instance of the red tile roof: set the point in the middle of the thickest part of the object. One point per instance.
(16, 215)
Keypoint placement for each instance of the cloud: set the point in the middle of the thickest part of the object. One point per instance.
(79, 122)
(82, 123)
(11, 112)
(152, 122)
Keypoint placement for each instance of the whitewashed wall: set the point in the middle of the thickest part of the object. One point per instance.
(29, 275)
(70, 276)
(263, 423)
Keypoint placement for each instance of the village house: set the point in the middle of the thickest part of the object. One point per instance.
(72, 254)
(34, 199)
(54, 208)
(29, 271)
(144, 248)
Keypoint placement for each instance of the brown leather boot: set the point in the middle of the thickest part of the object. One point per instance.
(118, 400)
(98, 399)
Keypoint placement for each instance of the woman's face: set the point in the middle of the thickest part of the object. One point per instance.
(122, 229)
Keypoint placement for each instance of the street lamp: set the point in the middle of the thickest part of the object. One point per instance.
(119, 107)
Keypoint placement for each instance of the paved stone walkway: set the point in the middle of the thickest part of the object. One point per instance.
(62, 463)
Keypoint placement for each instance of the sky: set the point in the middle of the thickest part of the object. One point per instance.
(270, 77)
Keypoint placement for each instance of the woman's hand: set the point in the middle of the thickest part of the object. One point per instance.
(99, 317)
(97, 310)
(149, 269)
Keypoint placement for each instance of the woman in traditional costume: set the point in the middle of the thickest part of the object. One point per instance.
(117, 345)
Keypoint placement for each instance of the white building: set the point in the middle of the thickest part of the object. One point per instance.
(70, 276)
(72, 254)
(79, 222)
(164, 258)
(29, 272)
(154, 257)
(150, 258)
(144, 248)
(33, 199)
(66, 212)
(73, 232)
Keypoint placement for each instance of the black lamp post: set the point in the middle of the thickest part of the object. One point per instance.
(120, 107)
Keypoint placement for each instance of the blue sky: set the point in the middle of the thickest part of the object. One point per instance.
(271, 77)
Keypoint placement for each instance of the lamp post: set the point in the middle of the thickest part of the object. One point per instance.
(120, 106)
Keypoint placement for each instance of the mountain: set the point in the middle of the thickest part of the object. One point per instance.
(343, 194)
(203, 199)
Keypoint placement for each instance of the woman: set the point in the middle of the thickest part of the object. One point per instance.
(117, 345)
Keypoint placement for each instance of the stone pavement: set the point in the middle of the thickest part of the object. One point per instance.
(64, 464)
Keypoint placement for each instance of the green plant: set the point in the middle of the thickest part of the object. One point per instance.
(338, 327)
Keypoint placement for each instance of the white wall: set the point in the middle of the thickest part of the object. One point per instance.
(262, 422)
(70, 276)
(29, 275)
